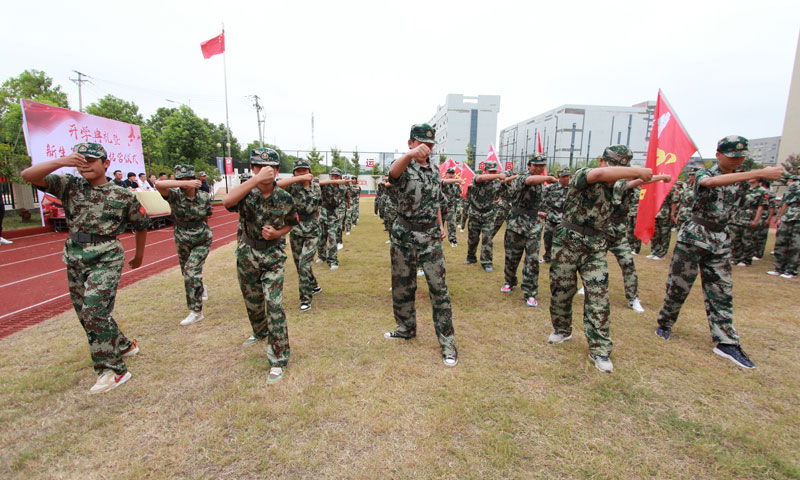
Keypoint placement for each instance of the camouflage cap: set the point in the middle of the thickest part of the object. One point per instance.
(564, 172)
(537, 159)
(451, 170)
(184, 171)
(243, 177)
(301, 163)
(202, 174)
(733, 146)
(617, 155)
(264, 156)
(90, 150)
(423, 132)
(490, 166)
(336, 171)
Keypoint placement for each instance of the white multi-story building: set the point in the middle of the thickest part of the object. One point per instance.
(764, 150)
(790, 140)
(464, 121)
(572, 135)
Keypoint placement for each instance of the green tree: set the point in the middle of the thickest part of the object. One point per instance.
(356, 163)
(116, 109)
(31, 85)
(11, 164)
(315, 159)
(792, 164)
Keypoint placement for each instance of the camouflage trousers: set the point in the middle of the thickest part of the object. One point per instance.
(715, 272)
(348, 219)
(743, 244)
(549, 228)
(515, 245)
(378, 206)
(261, 280)
(303, 250)
(192, 253)
(356, 210)
(451, 222)
(480, 229)
(633, 240)
(93, 290)
(659, 244)
(389, 214)
(787, 248)
(762, 233)
(328, 227)
(341, 214)
(463, 215)
(428, 255)
(620, 248)
(571, 257)
(500, 216)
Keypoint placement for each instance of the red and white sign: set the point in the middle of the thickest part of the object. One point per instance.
(228, 166)
(51, 132)
(509, 166)
(370, 162)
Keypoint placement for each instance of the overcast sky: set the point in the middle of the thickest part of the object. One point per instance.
(368, 70)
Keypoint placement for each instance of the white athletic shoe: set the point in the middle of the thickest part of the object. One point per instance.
(305, 307)
(4, 241)
(334, 267)
(420, 272)
(339, 246)
(348, 233)
(755, 259)
(319, 260)
(636, 306)
(787, 275)
(741, 264)
(602, 363)
(657, 258)
(205, 293)
(461, 230)
(774, 273)
(581, 292)
(650, 256)
(193, 317)
(109, 380)
(557, 338)
(388, 241)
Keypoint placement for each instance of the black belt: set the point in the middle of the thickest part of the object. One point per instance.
(194, 224)
(713, 226)
(416, 227)
(618, 217)
(81, 237)
(260, 244)
(485, 210)
(522, 211)
(589, 231)
(306, 217)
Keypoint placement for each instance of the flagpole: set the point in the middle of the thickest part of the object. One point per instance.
(225, 74)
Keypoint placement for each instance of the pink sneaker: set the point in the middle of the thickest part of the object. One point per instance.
(505, 288)
(531, 302)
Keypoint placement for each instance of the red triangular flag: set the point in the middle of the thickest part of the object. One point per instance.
(669, 151)
(467, 174)
(214, 46)
(450, 163)
(539, 141)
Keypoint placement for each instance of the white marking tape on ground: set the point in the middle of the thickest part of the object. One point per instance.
(34, 306)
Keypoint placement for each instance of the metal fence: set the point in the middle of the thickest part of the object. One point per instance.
(6, 193)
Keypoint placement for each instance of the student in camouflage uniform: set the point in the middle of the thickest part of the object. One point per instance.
(580, 246)
(745, 222)
(389, 208)
(380, 190)
(762, 232)
(553, 200)
(485, 189)
(504, 202)
(355, 201)
(330, 220)
(633, 241)
(416, 237)
(451, 189)
(342, 209)
(659, 245)
(787, 240)
(96, 212)
(685, 200)
(266, 215)
(191, 208)
(304, 236)
(464, 210)
(524, 229)
(704, 243)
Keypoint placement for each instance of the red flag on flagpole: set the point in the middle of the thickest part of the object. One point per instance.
(539, 141)
(450, 163)
(467, 174)
(669, 151)
(214, 46)
(492, 157)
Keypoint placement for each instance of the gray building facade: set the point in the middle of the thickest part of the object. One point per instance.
(465, 120)
(765, 150)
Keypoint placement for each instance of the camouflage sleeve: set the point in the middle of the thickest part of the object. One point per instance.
(137, 215)
(698, 176)
(620, 189)
(399, 181)
(172, 196)
(57, 185)
(763, 200)
(579, 179)
(290, 218)
(209, 210)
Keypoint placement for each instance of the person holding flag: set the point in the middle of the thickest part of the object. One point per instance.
(704, 244)
(482, 195)
(451, 189)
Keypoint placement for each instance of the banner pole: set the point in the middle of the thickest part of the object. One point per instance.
(225, 74)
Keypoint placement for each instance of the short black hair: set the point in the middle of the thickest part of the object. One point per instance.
(162, 173)
(115, 171)
(131, 174)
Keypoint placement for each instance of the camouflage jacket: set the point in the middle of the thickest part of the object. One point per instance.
(306, 202)
(481, 201)
(344, 199)
(523, 218)
(746, 213)
(553, 200)
(666, 207)
(186, 209)
(102, 210)
(418, 193)
(588, 205)
(791, 198)
(621, 201)
(636, 193)
(715, 204)
(452, 194)
(256, 211)
(355, 194)
(331, 196)
(685, 201)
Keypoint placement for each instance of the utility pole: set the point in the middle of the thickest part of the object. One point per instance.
(79, 82)
(313, 145)
(259, 118)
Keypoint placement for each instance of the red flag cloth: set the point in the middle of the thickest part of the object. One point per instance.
(492, 157)
(467, 174)
(539, 141)
(214, 46)
(669, 151)
(450, 163)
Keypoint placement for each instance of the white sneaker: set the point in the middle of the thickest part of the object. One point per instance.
(634, 253)
(339, 246)
(741, 264)
(453, 245)
(636, 305)
(348, 233)
(557, 338)
(755, 259)
(275, 374)
(109, 380)
(787, 275)
(649, 256)
(602, 363)
(461, 230)
(4, 241)
(305, 307)
(205, 293)
(656, 258)
(334, 267)
(581, 292)
(774, 273)
(420, 272)
(193, 317)
(319, 260)
(388, 241)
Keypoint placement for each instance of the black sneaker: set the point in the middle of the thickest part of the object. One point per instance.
(662, 332)
(316, 290)
(735, 354)
(396, 334)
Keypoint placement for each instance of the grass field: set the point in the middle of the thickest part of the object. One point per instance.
(353, 405)
(14, 222)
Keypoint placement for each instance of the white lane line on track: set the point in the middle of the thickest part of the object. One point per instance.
(126, 251)
(5, 250)
(124, 273)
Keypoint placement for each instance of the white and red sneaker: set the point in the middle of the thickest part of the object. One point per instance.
(109, 380)
(131, 351)
(531, 302)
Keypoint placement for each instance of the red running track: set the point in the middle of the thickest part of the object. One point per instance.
(33, 279)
